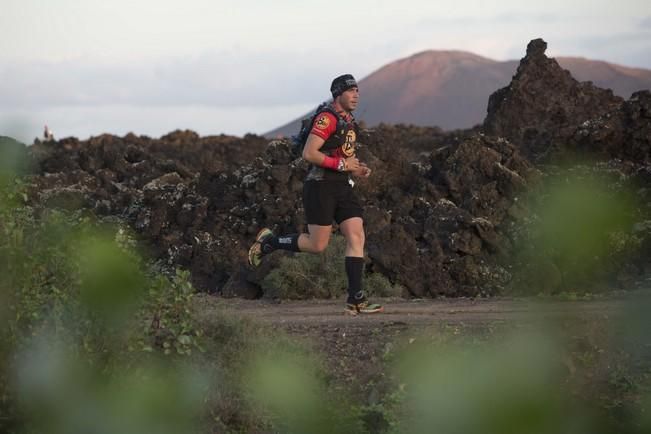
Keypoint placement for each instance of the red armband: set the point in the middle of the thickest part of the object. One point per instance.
(334, 163)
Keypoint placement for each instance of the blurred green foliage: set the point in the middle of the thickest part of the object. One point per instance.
(13, 159)
(535, 381)
(579, 235)
(61, 393)
(84, 324)
(289, 388)
(507, 388)
(578, 217)
(305, 276)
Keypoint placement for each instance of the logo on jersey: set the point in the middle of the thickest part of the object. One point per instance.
(348, 148)
(322, 123)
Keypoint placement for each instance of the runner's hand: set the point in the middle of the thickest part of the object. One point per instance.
(363, 172)
(352, 164)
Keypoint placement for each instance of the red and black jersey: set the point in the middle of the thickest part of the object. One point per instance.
(340, 135)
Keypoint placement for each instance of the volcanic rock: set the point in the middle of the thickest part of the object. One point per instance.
(554, 118)
(543, 105)
(445, 198)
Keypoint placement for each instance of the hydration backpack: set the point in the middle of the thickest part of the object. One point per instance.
(298, 141)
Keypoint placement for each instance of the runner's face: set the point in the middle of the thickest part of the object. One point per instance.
(349, 99)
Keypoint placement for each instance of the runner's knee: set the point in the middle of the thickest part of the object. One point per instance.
(319, 246)
(356, 238)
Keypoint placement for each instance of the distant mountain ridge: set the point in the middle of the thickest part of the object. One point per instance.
(450, 89)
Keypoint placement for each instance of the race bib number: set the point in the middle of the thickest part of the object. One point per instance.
(348, 148)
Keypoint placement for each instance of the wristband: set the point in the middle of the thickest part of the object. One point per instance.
(334, 163)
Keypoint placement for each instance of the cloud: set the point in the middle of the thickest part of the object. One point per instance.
(645, 23)
(462, 23)
(223, 79)
(216, 78)
(219, 91)
(629, 48)
(154, 121)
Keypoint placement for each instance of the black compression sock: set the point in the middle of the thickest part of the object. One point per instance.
(282, 242)
(354, 270)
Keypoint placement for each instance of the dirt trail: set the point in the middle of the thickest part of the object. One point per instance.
(317, 313)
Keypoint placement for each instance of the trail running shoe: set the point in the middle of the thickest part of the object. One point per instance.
(363, 307)
(255, 252)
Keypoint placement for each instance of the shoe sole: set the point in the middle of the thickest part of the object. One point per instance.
(352, 312)
(258, 239)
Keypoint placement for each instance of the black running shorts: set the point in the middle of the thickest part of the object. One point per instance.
(325, 201)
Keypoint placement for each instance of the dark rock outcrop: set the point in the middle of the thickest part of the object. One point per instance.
(153, 184)
(544, 104)
(623, 133)
(553, 119)
(436, 211)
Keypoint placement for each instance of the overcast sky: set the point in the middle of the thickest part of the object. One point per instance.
(87, 67)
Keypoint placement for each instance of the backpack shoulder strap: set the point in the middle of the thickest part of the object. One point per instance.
(341, 122)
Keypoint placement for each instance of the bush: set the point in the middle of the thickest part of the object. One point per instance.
(305, 276)
(83, 316)
(580, 236)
